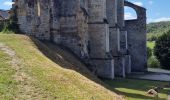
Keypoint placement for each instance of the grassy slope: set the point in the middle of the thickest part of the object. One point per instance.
(7, 84)
(136, 89)
(42, 78)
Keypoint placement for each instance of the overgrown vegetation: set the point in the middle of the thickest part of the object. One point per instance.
(149, 52)
(9, 26)
(153, 62)
(154, 30)
(162, 50)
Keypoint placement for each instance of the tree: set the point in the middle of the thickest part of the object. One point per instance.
(149, 52)
(162, 50)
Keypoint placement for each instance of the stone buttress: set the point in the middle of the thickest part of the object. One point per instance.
(99, 39)
(94, 30)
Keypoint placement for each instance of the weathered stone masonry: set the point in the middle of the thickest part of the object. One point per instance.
(95, 30)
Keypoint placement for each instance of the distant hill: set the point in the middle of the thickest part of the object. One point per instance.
(157, 29)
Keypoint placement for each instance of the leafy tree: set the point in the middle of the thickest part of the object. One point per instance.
(153, 62)
(155, 30)
(149, 52)
(162, 50)
(10, 25)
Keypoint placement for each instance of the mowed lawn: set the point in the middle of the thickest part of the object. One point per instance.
(7, 83)
(136, 89)
(28, 74)
(31, 75)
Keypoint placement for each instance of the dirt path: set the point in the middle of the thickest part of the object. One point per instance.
(27, 90)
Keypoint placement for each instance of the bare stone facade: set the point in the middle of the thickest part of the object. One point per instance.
(94, 30)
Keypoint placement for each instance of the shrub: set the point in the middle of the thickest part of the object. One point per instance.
(152, 37)
(149, 52)
(162, 50)
(10, 25)
(153, 62)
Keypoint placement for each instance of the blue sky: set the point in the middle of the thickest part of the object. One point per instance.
(5, 4)
(157, 10)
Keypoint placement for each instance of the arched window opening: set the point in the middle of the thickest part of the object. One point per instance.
(130, 13)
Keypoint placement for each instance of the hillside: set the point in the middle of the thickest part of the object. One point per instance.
(30, 70)
(154, 30)
(158, 28)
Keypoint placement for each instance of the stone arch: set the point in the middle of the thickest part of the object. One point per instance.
(140, 11)
(130, 13)
(136, 30)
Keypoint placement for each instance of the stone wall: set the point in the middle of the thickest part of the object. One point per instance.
(137, 39)
(99, 39)
(94, 30)
(64, 22)
(137, 45)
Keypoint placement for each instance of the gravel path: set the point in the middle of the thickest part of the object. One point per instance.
(157, 70)
(153, 74)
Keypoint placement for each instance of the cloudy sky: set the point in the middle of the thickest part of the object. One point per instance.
(5, 4)
(157, 10)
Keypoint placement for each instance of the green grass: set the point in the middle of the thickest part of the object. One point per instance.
(151, 44)
(136, 89)
(7, 83)
(42, 78)
(153, 62)
(62, 77)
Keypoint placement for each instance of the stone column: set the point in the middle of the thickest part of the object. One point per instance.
(97, 10)
(120, 13)
(117, 37)
(111, 12)
(99, 39)
(128, 68)
(97, 28)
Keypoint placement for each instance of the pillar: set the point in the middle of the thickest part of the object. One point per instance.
(99, 39)
(120, 13)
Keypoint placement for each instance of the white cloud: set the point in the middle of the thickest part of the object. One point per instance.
(138, 3)
(159, 19)
(7, 3)
(129, 15)
(162, 19)
(150, 2)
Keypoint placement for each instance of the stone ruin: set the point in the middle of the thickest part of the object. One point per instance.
(94, 30)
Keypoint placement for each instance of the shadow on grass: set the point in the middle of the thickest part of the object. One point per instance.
(136, 88)
(65, 58)
(135, 96)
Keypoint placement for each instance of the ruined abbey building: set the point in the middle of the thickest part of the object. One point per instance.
(95, 30)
